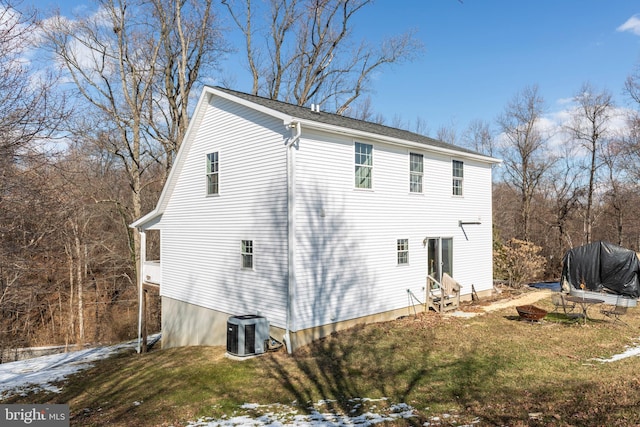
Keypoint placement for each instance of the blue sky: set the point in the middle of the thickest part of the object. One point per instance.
(479, 54)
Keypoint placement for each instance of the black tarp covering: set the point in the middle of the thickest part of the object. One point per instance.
(603, 266)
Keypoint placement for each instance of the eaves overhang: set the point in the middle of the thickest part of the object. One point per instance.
(391, 140)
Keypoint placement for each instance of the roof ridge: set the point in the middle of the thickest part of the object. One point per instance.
(284, 103)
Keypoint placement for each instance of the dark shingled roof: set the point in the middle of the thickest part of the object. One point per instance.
(345, 122)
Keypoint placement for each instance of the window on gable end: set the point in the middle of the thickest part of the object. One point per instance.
(416, 171)
(213, 179)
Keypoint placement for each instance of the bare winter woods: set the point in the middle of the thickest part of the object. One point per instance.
(93, 109)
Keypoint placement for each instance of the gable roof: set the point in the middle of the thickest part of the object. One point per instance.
(291, 113)
(336, 120)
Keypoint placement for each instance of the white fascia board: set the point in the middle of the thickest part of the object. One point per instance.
(396, 141)
(257, 107)
(140, 222)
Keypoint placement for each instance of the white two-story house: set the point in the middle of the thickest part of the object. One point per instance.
(313, 220)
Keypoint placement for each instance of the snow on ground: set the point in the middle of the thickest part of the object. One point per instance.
(41, 373)
(279, 415)
(629, 352)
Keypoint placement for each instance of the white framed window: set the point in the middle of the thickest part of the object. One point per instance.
(247, 254)
(458, 177)
(364, 165)
(416, 171)
(213, 179)
(403, 251)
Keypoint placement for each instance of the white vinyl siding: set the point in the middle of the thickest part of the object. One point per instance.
(201, 236)
(346, 263)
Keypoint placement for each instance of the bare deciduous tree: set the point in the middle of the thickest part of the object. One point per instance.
(560, 195)
(112, 63)
(589, 128)
(308, 53)
(617, 186)
(28, 110)
(631, 140)
(524, 149)
(191, 44)
(28, 114)
(478, 137)
(448, 133)
(134, 64)
(632, 85)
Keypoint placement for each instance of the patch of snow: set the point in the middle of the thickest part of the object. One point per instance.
(630, 352)
(40, 373)
(286, 416)
(250, 406)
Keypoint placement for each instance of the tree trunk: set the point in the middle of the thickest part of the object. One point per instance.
(79, 285)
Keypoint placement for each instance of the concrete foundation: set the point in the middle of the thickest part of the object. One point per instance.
(185, 324)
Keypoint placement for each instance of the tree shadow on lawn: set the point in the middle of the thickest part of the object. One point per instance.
(406, 364)
(340, 373)
(400, 364)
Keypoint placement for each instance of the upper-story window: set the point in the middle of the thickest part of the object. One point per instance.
(416, 171)
(213, 182)
(364, 165)
(458, 177)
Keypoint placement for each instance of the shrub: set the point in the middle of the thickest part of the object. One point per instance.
(518, 261)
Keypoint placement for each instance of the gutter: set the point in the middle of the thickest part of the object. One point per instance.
(291, 226)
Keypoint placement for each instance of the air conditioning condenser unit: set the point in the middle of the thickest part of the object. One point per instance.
(247, 335)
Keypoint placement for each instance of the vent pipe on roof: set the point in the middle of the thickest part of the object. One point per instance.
(313, 107)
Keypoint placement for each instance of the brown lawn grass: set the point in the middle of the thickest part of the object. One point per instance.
(491, 369)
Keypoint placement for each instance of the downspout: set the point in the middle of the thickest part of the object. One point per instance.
(143, 256)
(291, 228)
